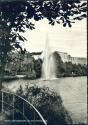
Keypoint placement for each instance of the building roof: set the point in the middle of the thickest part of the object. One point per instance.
(36, 53)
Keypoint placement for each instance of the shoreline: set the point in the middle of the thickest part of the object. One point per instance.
(8, 78)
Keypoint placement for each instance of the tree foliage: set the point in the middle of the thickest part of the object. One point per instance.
(38, 67)
(18, 13)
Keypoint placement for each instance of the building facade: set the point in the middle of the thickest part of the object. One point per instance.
(75, 60)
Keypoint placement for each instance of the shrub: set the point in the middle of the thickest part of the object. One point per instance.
(48, 103)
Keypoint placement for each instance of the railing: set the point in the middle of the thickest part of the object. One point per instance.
(15, 108)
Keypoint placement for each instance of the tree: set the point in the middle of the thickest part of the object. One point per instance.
(15, 17)
(38, 67)
(7, 43)
(58, 63)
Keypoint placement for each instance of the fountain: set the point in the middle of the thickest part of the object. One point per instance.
(48, 67)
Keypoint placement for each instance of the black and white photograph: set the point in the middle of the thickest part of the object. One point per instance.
(43, 62)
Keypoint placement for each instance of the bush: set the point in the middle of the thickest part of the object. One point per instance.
(48, 103)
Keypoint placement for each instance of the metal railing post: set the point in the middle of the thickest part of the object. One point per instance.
(34, 117)
(13, 107)
(23, 110)
(2, 103)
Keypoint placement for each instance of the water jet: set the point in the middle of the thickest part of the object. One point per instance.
(48, 66)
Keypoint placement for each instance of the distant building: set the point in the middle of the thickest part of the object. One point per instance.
(65, 57)
(75, 60)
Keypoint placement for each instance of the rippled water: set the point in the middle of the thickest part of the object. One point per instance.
(73, 92)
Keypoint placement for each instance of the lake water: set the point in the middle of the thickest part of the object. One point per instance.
(73, 91)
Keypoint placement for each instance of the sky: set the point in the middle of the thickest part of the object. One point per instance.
(64, 39)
